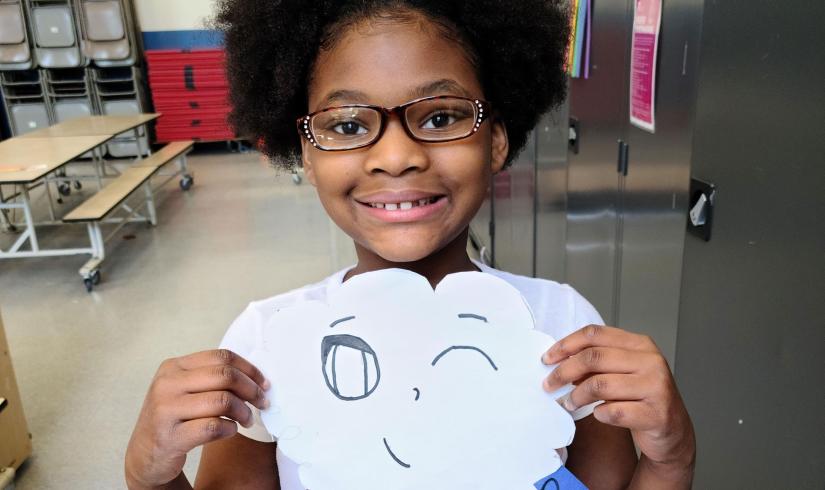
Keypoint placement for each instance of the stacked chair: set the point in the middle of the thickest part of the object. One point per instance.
(27, 105)
(118, 92)
(88, 56)
(15, 51)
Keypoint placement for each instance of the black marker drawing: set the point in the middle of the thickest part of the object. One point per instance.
(464, 347)
(547, 483)
(417, 393)
(331, 344)
(405, 465)
(341, 320)
(473, 316)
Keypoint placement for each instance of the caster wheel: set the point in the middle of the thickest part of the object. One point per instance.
(89, 284)
(78, 185)
(296, 179)
(59, 200)
(95, 278)
(64, 189)
(187, 182)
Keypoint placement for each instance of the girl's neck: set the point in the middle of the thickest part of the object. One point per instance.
(452, 258)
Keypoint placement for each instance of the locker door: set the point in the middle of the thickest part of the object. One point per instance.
(600, 105)
(654, 195)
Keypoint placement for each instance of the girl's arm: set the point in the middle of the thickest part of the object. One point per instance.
(238, 462)
(602, 456)
(629, 373)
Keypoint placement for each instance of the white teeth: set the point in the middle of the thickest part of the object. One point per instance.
(403, 205)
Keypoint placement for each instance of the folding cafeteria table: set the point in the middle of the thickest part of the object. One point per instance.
(23, 163)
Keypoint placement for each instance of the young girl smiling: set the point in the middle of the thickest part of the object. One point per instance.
(404, 110)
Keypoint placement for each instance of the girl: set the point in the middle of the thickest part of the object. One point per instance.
(403, 111)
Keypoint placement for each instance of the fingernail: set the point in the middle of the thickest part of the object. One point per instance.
(265, 403)
(265, 385)
(545, 358)
(569, 405)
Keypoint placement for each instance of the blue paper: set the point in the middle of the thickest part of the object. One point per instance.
(562, 479)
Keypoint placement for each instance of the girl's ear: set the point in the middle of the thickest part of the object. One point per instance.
(309, 170)
(500, 145)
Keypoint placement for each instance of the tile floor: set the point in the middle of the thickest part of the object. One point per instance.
(83, 361)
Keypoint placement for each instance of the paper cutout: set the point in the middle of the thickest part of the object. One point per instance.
(391, 384)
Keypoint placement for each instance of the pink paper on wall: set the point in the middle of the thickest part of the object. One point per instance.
(647, 22)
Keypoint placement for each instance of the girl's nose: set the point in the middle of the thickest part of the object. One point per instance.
(417, 393)
(396, 153)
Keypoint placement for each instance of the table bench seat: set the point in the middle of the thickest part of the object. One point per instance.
(104, 201)
(166, 154)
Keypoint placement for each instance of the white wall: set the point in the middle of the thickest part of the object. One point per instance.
(173, 15)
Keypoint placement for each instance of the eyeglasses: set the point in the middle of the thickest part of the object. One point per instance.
(430, 119)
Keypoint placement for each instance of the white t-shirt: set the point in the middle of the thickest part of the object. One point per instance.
(558, 309)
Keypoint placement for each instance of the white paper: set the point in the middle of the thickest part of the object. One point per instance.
(393, 385)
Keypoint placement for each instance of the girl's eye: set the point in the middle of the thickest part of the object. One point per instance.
(349, 128)
(440, 120)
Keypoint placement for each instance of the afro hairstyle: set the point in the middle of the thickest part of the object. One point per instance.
(517, 47)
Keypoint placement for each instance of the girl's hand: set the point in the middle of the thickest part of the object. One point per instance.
(183, 409)
(629, 373)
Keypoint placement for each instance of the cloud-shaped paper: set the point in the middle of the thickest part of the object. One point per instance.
(391, 384)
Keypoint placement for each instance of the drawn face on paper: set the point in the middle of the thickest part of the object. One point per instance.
(391, 381)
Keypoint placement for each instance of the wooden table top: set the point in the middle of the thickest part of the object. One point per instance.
(26, 160)
(92, 125)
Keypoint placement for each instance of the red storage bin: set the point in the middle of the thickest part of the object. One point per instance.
(189, 88)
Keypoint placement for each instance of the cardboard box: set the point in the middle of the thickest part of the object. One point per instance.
(15, 443)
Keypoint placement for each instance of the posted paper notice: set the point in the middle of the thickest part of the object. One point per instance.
(647, 22)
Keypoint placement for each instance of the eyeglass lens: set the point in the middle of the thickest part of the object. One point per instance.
(427, 120)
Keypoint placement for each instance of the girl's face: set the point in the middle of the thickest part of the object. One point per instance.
(367, 191)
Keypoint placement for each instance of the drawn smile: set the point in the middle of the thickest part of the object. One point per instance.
(394, 457)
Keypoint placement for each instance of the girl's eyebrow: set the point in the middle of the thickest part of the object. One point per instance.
(436, 86)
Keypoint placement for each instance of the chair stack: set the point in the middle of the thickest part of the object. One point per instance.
(118, 91)
(84, 56)
(189, 87)
(25, 100)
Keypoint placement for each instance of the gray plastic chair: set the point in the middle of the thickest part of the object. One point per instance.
(124, 144)
(28, 117)
(56, 42)
(104, 31)
(15, 53)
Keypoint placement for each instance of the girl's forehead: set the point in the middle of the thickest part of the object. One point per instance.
(389, 64)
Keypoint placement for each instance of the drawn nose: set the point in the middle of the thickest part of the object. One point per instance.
(417, 393)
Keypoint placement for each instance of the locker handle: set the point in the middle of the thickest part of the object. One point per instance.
(624, 150)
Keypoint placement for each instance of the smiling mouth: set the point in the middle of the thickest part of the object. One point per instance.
(403, 205)
(394, 457)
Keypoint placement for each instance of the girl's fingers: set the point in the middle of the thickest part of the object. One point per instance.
(597, 336)
(194, 433)
(607, 387)
(222, 377)
(590, 361)
(633, 415)
(222, 357)
(213, 404)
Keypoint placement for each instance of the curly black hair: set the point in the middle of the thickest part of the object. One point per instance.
(517, 47)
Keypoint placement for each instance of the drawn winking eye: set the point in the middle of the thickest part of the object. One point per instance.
(464, 348)
(350, 367)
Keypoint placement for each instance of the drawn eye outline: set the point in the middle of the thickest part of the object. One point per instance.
(464, 347)
(330, 345)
